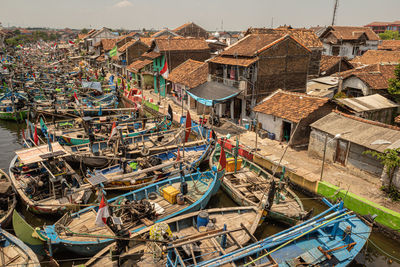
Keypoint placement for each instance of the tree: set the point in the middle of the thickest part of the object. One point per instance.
(389, 158)
(394, 84)
(84, 31)
(390, 35)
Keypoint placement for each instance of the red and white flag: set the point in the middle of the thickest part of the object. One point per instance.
(102, 213)
(164, 71)
(70, 42)
(113, 130)
(76, 98)
(36, 137)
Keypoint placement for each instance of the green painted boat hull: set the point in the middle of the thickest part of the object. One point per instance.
(24, 232)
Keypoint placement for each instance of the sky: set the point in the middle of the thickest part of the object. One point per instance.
(210, 14)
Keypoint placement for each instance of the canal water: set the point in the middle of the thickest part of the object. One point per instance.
(375, 254)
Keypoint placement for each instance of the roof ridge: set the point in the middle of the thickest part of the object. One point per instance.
(376, 123)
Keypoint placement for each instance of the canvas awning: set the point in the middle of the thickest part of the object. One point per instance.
(41, 153)
(211, 93)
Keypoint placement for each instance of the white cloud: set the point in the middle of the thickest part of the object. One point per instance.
(123, 3)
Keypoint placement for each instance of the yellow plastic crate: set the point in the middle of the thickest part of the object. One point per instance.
(230, 164)
(169, 193)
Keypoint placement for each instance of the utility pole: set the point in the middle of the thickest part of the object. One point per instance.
(335, 7)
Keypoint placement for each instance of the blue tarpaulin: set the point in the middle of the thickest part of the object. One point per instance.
(211, 93)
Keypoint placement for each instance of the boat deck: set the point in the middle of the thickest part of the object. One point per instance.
(85, 223)
(252, 187)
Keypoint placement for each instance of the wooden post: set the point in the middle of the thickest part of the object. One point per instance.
(323, 157)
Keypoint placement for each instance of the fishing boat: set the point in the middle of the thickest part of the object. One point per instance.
(132, 212)
(76, 132)
(332, 238)
(102, 153)
(15, 253)
(143, 171)
(44, 181)
(8, 200)
(13, 107)
(193, 237)
(250, 184)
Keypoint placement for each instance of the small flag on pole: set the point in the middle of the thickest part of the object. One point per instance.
(188, 126)
(76, 98)
(36, 137)
(113, 52)
(113, 130)
(102, 213)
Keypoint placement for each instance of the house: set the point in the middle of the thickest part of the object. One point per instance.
(287, 115)
(372, 107)
(94, 37)
(174, 51)
(332, 64)
(376, 57)
(367, 80)
(390, 45)
(186, 76)
(354, 136)
(306, 37)
(128, 53)
(191, 29)
(164, 33)
(381, 27)
(141, 72)
(259, 64)
(348, 41)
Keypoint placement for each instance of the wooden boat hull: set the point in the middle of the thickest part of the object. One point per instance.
(30, 256)
(333, 238)
(243, 201)
(11, 116)
(89, 248)
(5, 221)
(248, 216)
(24, 232)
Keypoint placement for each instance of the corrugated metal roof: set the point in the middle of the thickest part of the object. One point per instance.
(359, 132)
(368, 103)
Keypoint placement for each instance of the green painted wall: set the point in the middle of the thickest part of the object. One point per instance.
(361, 205)
(151, 105)
(158, 63)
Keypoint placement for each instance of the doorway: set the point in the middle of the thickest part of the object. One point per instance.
(341, 151)
(286, 131)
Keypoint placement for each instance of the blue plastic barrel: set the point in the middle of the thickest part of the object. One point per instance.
(202, 219)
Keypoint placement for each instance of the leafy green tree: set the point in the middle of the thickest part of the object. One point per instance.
(390, 35)
(394, 84)
(84, 31)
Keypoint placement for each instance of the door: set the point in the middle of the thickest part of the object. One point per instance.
(286, 131)
(341, 151)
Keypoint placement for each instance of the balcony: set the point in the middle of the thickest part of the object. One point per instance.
(241, 85)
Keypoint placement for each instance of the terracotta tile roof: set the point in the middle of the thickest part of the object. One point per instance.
(307, 37)
(183, 26)
(181, 44)
(290, 106)
(377, 23)
(101, 58)
(146, 40)
(82, 36)
(250, 45)
(390, 45)
(245, 62)
(328, 62)
(376, 76)
(190, 73)
(353, 33)
(139, 64)
(125, 46)
(377, 56)
(107, 44)
(151, 55)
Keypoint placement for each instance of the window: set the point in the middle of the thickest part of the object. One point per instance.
(335, 50)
